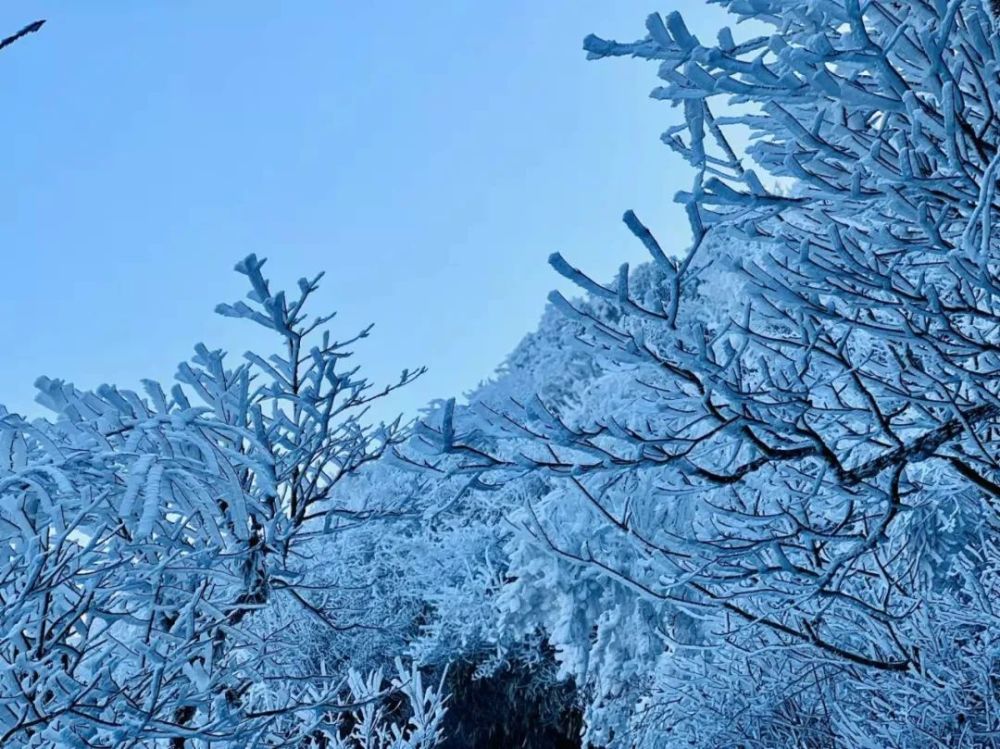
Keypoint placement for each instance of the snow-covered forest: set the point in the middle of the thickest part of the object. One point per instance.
(746, 494)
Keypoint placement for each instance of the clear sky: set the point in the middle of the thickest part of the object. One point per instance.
(427, 155)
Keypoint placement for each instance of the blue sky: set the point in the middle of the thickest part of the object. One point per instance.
(428, 155)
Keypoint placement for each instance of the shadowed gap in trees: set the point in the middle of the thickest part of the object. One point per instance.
(510, 709)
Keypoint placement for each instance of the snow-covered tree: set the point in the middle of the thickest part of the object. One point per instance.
(152, 542)
(790, 490)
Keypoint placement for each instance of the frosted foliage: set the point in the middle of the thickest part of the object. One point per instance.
(788, 451)
(745, 496)
(151, 542)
